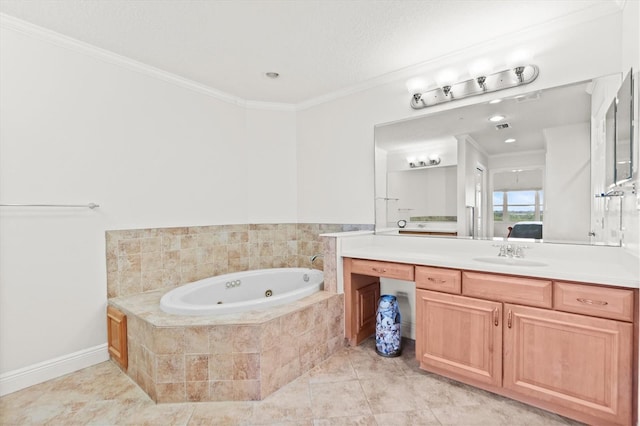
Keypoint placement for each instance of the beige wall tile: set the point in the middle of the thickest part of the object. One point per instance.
(221, 390)
(301, 321)
(221, 367)
(168, 340)
(196, 367)
(152, 280)
(129, 246)
(170, 368)
(188, 241)
(197, 391)
(221, 339)
(129, 263)
(246, 366)
(150, 245)
(151, 261)
(270, 335)
(171, 392)
(246, 390)
(246, 338)
(196, 340)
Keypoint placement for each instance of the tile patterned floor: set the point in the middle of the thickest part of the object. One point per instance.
(354, 387)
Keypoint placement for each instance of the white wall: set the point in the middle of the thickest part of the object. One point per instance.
(79, 129)
(424, 192)
(271, 163)
(567, 181)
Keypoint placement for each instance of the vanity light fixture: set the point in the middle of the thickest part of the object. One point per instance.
(510, 140)
(431, 161)
(479, 84)
(496, 118)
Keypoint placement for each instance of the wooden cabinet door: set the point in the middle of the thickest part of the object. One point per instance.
(117, 336)
(459, 336)
(577, 363)
(366, 306)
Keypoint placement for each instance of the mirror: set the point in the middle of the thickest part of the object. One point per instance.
(623, 131)
(491, 168)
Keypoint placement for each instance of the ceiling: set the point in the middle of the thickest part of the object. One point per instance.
(527, 116)
(318, 47)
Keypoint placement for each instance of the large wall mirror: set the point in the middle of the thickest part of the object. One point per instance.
(516, 167)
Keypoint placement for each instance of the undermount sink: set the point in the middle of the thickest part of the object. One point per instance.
(511, 261)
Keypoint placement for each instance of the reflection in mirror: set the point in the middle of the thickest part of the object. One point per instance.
(522, 159)
(623, 131)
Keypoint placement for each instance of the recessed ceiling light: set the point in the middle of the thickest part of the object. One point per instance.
(496, 118)
(510, 140)
(495, 101)
(272, 74)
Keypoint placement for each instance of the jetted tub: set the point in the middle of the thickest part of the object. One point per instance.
(242, 291)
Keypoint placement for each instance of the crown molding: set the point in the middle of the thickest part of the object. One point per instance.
(510, 154)
(49, 36)
(270, 106)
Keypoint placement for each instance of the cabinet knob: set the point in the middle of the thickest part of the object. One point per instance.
(436, 280)
(509, 318)
(496, 315)
(379, 270)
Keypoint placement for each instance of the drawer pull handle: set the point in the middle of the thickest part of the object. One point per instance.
(496, 314)
(592, 302)
(381, 270)
(509, 319)
(437, 280)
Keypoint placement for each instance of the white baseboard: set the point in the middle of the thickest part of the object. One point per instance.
(41, 372)
(408, 329)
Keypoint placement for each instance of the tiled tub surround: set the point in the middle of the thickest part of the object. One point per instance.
(244, 356)
(142, 260)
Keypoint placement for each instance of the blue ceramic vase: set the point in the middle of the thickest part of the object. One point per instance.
(388, 327)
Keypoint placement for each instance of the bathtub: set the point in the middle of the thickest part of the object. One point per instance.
(242, 291)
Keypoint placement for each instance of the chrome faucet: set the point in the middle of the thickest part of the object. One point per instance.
(314, 257)
(511, 250)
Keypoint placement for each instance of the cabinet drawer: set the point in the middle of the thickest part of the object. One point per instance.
(603, 302)
(438, 279)
(374, 268)
(504, 288)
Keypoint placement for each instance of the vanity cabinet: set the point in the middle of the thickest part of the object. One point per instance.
(570, 348)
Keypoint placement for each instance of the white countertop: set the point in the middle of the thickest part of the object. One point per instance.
(590, 264)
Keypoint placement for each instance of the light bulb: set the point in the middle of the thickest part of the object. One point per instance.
(416, 85)
(446, 77)
(519, 58)
(480, 68)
